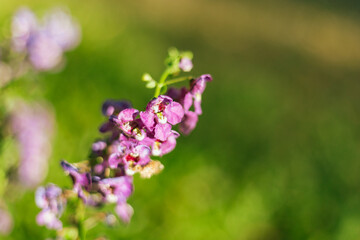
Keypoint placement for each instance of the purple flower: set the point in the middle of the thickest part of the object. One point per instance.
(6, 222)
(62, 29)
(174, 93)
(183, 96)
(80, 180)
(188, 98)
(33, 128)
(188, 123)
(185, 64)
(162, 110)
(110, 126)
(198, 85)
(162, 131)
(99, 146)
(44, 52)
(127, 122)
(160, 148)
(118, 190)
(44, 44)
(197, 88)
(130, 153)
(139, 154)
(24, 23)
(52, 202)
(159, 114)
(124, 211)
(112, 107)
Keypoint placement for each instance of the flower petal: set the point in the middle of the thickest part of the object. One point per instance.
(174, 113)
(162, 131)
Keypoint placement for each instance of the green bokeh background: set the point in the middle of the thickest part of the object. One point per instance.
(276, 153)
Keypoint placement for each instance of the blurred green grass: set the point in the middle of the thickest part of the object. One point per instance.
(276, 152)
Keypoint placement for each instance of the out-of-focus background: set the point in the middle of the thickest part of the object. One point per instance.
(276, 153)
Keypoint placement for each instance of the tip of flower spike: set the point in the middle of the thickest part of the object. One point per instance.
(207, 77)
(67, 166)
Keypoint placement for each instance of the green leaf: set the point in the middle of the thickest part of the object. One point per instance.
(151, 84)
(146, 77)
(173, 52)
(187, 54)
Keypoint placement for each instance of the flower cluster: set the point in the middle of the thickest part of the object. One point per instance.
(190, 98)
(134, 137)
(44, 43)
(52, 202)
(26, 129)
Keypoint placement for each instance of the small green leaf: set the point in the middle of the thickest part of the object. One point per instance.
(187, 54)
(173, 52)
(151, 84)
(147, 77)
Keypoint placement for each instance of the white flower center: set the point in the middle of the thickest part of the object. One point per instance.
(162, 119)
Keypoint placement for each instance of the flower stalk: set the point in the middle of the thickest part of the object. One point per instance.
(177, 80)
(161, 82)
(81, 220)
(133, 138)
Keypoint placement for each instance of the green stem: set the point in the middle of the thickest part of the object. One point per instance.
(176, 80)
(82, 230)
(81, 220)
(160, 84)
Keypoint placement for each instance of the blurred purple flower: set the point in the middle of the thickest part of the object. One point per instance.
(62, 29)
(44, 52)
(52, 202)
(24, 23)
(33, 127)
(99, 146)
(124, 211)
(44, 43)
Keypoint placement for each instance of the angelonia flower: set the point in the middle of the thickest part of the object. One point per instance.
(134, 138)
(33, 127)
(44, 42)
(190, 99)
(52, 202)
